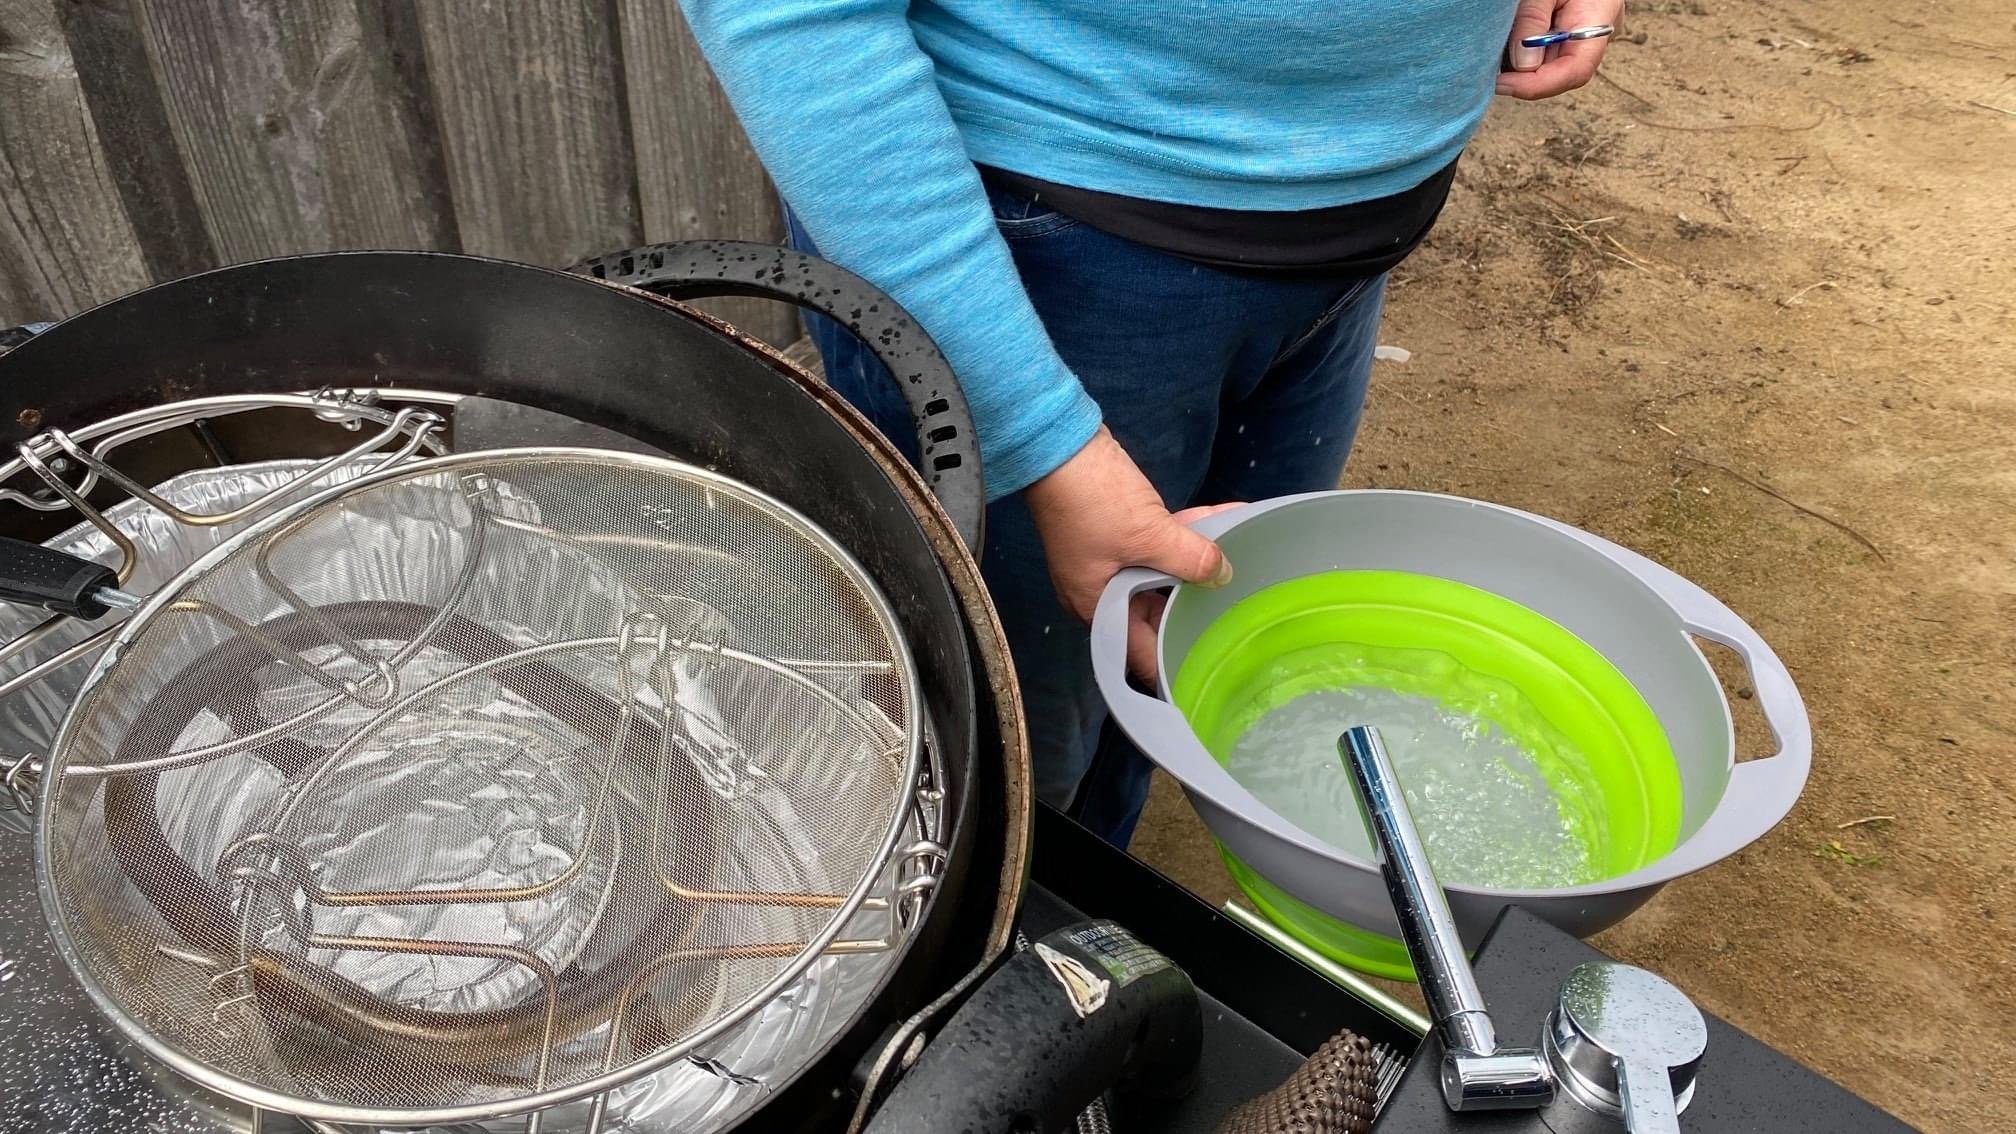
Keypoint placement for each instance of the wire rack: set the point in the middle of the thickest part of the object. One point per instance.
(58, 471)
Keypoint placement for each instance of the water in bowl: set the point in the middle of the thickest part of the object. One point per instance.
(1487, 813)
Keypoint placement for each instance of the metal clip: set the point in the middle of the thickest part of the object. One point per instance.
(19, 780)
(227, 1012)
(919, 868)
(480, 488)
(343, 406)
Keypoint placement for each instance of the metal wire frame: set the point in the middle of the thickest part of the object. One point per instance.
(919, 864)
(48, 455)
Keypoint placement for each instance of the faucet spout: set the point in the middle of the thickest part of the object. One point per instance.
(1477, 1074)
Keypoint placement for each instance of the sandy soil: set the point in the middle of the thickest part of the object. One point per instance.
(1745, 306)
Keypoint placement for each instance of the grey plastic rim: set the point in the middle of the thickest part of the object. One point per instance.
(1637, 613)
(263, 1098)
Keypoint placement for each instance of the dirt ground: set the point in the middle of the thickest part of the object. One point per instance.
(1745, 305)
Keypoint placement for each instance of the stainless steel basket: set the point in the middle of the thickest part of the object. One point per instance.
(451, 636)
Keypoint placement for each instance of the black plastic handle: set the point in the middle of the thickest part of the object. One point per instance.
(47, 579)
(1085, 1010)
(704, 269)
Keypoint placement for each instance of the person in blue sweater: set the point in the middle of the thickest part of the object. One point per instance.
(1151, 238)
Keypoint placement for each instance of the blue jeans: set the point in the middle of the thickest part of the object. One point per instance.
(1220, 386)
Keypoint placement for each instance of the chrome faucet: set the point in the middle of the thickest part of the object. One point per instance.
(1622, 1043)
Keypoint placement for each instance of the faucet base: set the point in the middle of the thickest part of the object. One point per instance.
(1507, 1079)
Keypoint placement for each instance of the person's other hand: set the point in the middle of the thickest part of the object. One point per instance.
(1096, 514)
(1543, 72)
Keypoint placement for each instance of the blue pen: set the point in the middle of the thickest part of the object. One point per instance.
(1549, 39)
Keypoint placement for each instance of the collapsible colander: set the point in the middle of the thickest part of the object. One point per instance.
(1595, 637)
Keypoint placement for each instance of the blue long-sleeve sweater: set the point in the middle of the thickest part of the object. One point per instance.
(870, 115)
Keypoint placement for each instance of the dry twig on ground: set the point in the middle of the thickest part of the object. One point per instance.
(1767, 490)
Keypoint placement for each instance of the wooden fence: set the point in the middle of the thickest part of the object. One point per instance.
(142, 140)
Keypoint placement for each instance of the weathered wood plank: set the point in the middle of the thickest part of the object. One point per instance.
(146, 139)
(110, 51)
(397, 30)
(288, 120)
(696, 174)
(528, 97)
(65, 243)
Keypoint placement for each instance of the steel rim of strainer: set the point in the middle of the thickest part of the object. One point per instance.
(815, 947)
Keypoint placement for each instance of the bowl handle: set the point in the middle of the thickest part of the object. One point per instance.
(1158, 728)
(1763, 790)
(1151, 723)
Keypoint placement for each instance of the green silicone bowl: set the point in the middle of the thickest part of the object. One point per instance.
(1473, 650)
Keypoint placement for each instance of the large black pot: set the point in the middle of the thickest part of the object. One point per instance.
(673, 379)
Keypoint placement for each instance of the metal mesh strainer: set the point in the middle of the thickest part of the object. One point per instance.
(356, 821)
